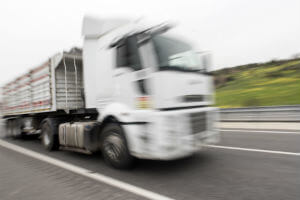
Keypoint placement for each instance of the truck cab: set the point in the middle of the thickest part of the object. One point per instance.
(153, 83)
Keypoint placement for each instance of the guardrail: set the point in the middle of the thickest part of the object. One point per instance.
(261, 114)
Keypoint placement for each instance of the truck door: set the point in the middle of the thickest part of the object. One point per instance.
(132, 72)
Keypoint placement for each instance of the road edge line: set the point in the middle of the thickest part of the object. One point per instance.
(85, 172)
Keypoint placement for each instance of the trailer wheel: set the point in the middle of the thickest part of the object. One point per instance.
(9, 128)
(114, 147)
(16, 128)
(50, 134)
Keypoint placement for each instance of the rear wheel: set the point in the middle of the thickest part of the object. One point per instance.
(50, 134)
(9, 128)
(114, 147)
(13, 128)
(16, 128)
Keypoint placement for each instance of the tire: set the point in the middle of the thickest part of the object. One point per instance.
(114, 147)
(16, 128)
(9, 128)
(49, 135)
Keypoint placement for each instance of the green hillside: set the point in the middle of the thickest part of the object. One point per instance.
(263, 84)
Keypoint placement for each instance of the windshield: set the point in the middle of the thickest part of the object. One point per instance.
(173, 54)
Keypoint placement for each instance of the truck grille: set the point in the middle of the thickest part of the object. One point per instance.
(193, 98)
(198, 122)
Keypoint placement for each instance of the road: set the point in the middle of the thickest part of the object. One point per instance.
(256, 165)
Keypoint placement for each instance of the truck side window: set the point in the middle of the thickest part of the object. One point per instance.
(128, 55)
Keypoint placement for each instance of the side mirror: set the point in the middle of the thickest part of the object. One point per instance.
(205, 60)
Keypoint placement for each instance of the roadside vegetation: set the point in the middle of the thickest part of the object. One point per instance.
(259, 84)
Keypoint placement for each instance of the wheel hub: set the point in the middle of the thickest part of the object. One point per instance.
(113, 146)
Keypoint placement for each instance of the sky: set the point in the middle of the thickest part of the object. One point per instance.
(236, 32)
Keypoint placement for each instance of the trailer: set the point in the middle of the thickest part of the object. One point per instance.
(117, 95)
(55, 85)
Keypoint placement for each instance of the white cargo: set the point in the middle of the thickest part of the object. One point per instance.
(55, 85)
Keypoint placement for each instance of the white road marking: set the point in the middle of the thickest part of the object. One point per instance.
(85, 172)
(257, 131)
(252, 150)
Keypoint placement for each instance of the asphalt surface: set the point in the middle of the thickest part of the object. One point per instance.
(25, 178)
(213, 173)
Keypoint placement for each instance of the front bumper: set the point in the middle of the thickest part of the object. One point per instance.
(169, 135)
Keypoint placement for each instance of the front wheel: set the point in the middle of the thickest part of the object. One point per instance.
(114, 147)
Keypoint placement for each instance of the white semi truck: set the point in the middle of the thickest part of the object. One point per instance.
(133, 91)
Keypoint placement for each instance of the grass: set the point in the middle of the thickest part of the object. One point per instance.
(265, 84)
